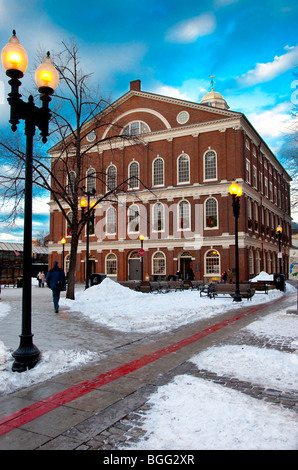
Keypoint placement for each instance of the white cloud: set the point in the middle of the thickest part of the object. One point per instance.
(273, 123)
(190, 90)
(190, 30)
(270, 70)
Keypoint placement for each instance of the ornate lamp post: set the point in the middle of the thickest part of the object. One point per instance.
(63, 241)
(141, 253)
(236, 192)
(90, 213)
(15, 60)
(279, 232)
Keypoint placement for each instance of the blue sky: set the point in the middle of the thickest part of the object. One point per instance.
(251, 47)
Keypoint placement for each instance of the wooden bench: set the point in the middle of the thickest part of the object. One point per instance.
(175, 285)
(196, 285)
(165, 286)
(262, 286)
(221, 290)
(8, 282)
(154, 286)
(134, 285)
(205, 289)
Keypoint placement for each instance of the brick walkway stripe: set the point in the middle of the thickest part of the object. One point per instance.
(15, 420)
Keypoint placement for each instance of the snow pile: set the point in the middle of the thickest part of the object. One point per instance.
(263, 276)
(191, 413)
(118, 307)
(52, 363)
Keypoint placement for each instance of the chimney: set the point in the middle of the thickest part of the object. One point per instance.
(135, 85)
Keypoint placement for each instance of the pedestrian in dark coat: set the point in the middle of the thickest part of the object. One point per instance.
(56, 281)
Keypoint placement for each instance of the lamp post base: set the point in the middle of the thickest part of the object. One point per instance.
(26, 356)
(237, 298)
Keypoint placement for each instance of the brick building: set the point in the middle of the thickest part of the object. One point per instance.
(179, 175)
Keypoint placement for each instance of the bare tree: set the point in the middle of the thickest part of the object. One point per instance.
(78, 109)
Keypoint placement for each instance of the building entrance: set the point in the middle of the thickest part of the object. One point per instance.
(134, 267)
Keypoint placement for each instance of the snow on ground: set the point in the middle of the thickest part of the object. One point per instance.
(189, 413)
(118, 307)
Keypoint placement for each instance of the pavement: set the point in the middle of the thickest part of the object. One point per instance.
(99, 406)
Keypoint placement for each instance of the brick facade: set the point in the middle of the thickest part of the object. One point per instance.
(186, 167)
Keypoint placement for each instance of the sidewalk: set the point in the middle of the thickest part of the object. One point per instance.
(99, 406)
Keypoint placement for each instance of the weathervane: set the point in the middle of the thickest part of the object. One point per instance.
(212, 81)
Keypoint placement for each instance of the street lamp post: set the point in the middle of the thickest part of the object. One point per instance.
(63, 241)
(90, 208)
(236, 192)
(141, 238)
(15, 60)
(279, 232)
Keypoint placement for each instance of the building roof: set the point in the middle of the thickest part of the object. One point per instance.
(6, 246)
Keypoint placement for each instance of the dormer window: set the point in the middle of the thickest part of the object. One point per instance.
(136, 128)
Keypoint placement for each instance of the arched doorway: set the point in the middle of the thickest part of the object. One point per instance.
(134, 267)
(185, 263)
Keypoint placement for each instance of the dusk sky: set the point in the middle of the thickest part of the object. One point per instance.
(251, 47)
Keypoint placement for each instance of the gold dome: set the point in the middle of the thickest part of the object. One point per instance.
(213, 98)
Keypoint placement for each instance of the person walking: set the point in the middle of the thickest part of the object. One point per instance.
(43, 278)
(56, 280)
(39, 279)
(230, 276)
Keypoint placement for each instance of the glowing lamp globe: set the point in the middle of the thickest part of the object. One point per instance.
(14, 57)
(46, 75)
(235, 189)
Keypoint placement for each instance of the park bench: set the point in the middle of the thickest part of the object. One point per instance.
(134, 285)
(165, 286)
(205, 289)
(262, 286)
(8, 282)
(196, 285)
(221, 290)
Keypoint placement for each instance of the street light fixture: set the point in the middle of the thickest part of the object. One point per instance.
(279, 232)
(63, 241)
(90, 214)
(141, 253)
(14, 59)
(236, 192)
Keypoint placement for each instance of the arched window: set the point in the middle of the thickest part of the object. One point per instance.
(111, 177)
(184, 215)
(158, 172)
(159, 263)
(133, 219)
(136, 128)
(212, 263)
(211, 213)
(210, 165)
(111, 221)
(158, 217)
(183, 169)
(111, 264)
(133, 174)
(91, 180)
(70, 182)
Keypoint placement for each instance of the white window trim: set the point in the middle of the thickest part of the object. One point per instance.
(110, 166)
(204, 166)
(115, 211)
(152, 263)
(179, 229)
(205, 215)
(163, 218)
(106, 261)
(135, 187)
(163, 173)
(128, 223)
(178, 174)
(205, 265)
